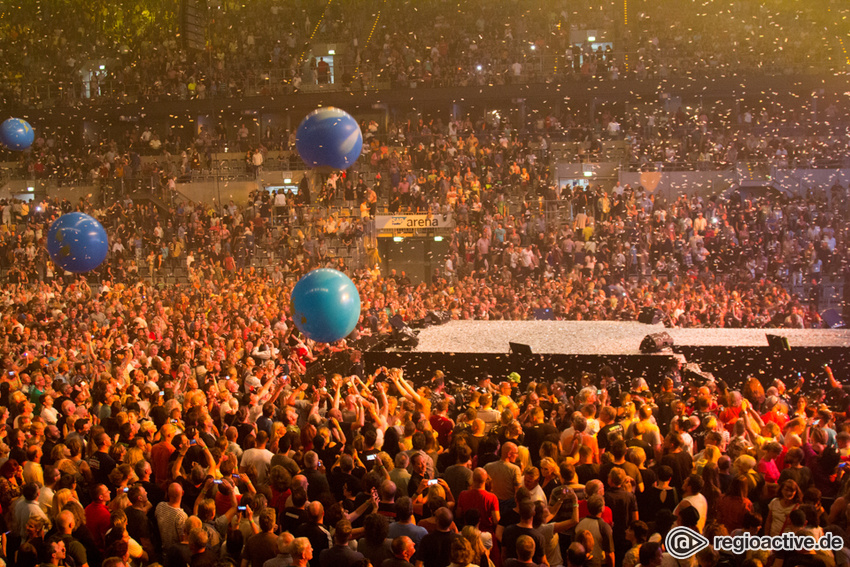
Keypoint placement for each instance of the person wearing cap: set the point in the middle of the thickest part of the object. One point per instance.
(775, 412)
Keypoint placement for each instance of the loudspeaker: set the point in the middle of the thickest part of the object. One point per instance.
(517, 348)
(406, 338)
(397, 323)
(656, 342)
(650, 316)
(832, 319)
(403, 336)
(438, 317)
(544, 314)
(193, 23)
(422, 323)
(778, 342)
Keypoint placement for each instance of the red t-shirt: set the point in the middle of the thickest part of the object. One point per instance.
(729, 417)
(98, 522)
(607, 515)
(222, 503)
(485, 502)
(779, 419)
(443, 426)
(160, 453)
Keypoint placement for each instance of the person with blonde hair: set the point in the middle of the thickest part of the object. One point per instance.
(745, 465)
(550, 476)
(118, 532)
(461, 553)
(301, 552)
(79, 515)
(60, 499)
(711, 454)
(523, 460)
(481, 543)
(134, 455)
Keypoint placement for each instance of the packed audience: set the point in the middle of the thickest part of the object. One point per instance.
(187, 427)
(780, 134)
(267, 48)
(521, 245)
(190, 424)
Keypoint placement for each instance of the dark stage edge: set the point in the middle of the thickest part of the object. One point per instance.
(732, 355)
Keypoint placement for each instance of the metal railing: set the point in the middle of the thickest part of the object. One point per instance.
(543, 67)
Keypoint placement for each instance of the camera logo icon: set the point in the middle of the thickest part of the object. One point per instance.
(683, 543)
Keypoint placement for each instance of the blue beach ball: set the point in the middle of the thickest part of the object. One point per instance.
(325, 305)
(77, 243)
(16, 134)
(329, 137)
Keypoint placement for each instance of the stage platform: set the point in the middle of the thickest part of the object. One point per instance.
(603, 337)
(562, 350)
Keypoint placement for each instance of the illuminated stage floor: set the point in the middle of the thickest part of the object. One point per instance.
(603, 337)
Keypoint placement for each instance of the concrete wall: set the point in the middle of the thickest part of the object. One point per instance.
(41, 188)
(799, 181)
(667, 184)
(208, 191)
(198, 191)
(604, 173)
(670, 184)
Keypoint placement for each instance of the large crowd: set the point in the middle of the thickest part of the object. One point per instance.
(185, 427)
(782, 134)
(269, 48)
(184, 421)
(521, 244)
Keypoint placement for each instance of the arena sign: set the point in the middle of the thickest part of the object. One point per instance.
(385, 223)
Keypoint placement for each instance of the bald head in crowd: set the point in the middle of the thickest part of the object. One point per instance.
(479, 477)
(509, 452)
(65, 522)
(388, 491)
(315, 512)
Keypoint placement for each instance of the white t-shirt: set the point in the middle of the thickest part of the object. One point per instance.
(699, 502)
(553, 548)
(261, 459)
(779, 515)
(537, 495)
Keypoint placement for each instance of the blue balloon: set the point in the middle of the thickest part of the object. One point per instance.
(16, 134)
(329, 137)
(77, 243)
(325, 305)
